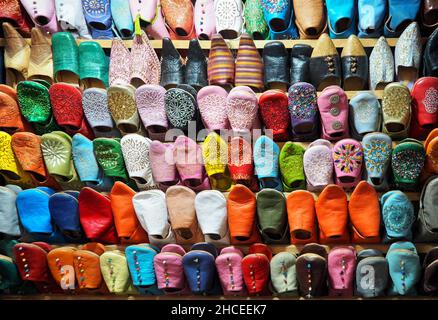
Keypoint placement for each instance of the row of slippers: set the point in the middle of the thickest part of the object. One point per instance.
(262, 18)
(59, 161)
(204, 270)
(181, 216)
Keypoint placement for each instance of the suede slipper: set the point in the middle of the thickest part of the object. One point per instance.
(272, 216)
(64, 210)
(266, 154)
(163, 164)
(292, 166)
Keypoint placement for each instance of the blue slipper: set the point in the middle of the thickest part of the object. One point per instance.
(365, 114)
(98, 17)
(9, 224)
(404, 268)
(266, 153)
(200, 270)
(123, 21)
(371, 15)
(377, 148)
(341, 18)
(279, 16)
(401, 14)
(64, 209)
(398, 216)
(140, 260)
(33, 210)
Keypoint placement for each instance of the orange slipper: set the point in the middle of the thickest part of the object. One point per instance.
(60, 261)
(27, 149)
(242, 207)
(364, 211)
(125, 219)
(87, 266)
(431, 147)
(332, 213)
(11, 119)
(302, 217)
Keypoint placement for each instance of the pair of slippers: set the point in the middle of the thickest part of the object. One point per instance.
(180, 162)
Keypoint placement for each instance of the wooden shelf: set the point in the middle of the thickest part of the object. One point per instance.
(234, 44)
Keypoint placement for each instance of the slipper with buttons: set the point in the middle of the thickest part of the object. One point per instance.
(110, 158)
(284, 274)
(115, 272)
(318, 165)
(86, 264)
(266, 154)
(407, 162)
(59, 261)
(341, 263)
(255, 269)
(229, 268)
(122, 106)
(169, 270)
(348, 159)
(333, 108)
(377, 148)
(140, 259)
(292, 166)
(311, 268)
(398, 216)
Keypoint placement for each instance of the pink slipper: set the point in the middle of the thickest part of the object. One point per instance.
(229, 268)
(149, 13)
(318, 165)
(333, 107)
(147, 67)
(212, 104)
(348, 159)
(188, 159)
(120, 63)
(205, 22)
(42, 13)
(163, 164)
(242, 107)
(151, 107)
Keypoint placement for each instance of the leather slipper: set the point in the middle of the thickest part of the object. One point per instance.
(110, 158)
(348, 162)
(301, 217)
(266, 154)
(292, 166)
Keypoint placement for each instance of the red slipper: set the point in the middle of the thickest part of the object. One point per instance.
(424, 107)
(273, 106)
(66, 103)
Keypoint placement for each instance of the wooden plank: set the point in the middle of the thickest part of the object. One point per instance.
(234, 44)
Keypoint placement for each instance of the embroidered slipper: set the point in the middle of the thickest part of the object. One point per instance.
(284, 274)
(431, 147)
(255, 23)
(15, 13)
(9, 224)
(280, 19)
(120, 64)
(34, 102)
(381, 65)
(127, 225)
(169, 270)
(152, 110)
(11, 119)
(121, 104)
(242, 108)
(66, 103)
(151, 210)
(16, 55)
(86, 164)
(221, 64)
(95, 106)
(249, 65)
(241, 207)
(163, 164)
(64, 211)
(365, 115)
(364, 213)
(229, 18)
(229, 268)
(147, 68)
(212, 103)
(302, 217)
(318, 165)
(292, 166)
(71, 18)
(348, 159)
(240, 162)
(65, 58)
(115, 272)
(332, 213)
(398, 216)
(205, 24)
(273, 107)
(41, 60)
(303, 111)
(396, 108)
(377, 149)
(93, 65)
(180, 202)
(188, 160)
(135, 149)
(215, 156)
(98, 18)
(179, 19)
(60, 260)
(272, 217)
(110, 158)
(26, 147)
(10, 168)
(341, 263)
(211, 212)
(266, 153)
(96, 216)
(407, 162)
(333, 108)
(180, 108)
(123, 21)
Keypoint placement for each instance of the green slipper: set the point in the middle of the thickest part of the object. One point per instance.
(110, 157)
(57, 153)
(65, 58)
(93, 65)
(272, 216)
(34, 102)
(51, 126)
(10, 280)
(255, 20)
(7, 246)
(292, 166)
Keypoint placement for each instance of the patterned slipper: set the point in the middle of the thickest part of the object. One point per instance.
(66, 103)
(221, 64)
(242, 108)
(120, 63)
(99, 19)
(110, 158)
(266, 153)
(180, 108)
(292, 166)
(163, 164)
(135, 149)
(152, 110)
(365, 115)
(11, 119)
(398, 216)
(249, 65)
(240, 163)
(121, 104)
(396, 108)
(212, 103)
(407, 162)
(95, 106)
(147, 68)
(34, 102)
(318, 165)
(348, 160)
(273, 107)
